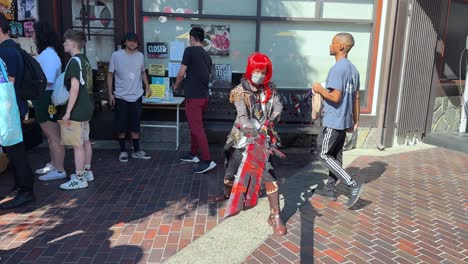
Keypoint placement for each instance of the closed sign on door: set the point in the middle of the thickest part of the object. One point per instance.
(156, 49)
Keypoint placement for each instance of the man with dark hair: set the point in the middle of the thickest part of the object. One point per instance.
(22, 192)
(341, 114)
(128, 67)
(196, 67)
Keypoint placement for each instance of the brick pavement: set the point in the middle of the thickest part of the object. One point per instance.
(138, 212)
(414, 210)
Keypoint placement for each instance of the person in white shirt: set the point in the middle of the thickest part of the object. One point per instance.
(49, 48)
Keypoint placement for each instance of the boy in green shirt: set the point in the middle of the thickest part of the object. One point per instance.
(78, 80)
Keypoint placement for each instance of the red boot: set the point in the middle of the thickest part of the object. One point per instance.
(274, 220)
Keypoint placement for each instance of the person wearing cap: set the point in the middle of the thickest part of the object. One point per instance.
(128, 68)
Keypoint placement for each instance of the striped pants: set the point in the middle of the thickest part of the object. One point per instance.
(330, 151)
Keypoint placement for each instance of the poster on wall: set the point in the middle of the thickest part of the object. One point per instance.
(156, 50)
(27, 10)
(8, 8)
(28, 28)
(221, 75)
(16, 29)
(217, 40)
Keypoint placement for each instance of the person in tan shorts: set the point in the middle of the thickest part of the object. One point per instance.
(79, 109)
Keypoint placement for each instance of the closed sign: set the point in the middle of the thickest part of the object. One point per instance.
(156, 49)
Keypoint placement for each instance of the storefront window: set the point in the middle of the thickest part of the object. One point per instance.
(171, 6)
(348, 9)
(100, 30)
(239, 40)
(230, 7)
(300, 52)
(289, 8)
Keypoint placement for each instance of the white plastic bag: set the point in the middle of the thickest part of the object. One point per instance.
(60, 94)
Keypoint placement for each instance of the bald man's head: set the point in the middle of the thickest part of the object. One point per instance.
(346, 40)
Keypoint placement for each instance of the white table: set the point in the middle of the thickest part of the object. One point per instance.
(160, 102)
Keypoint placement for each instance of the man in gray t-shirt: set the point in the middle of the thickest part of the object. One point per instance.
(128, 69)
(340, 114)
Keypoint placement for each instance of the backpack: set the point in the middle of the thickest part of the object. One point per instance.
(60, 94)
(34, 80)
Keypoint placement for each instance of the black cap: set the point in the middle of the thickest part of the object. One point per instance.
(131, 36)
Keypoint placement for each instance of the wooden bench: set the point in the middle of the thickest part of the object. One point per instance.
(295, 120)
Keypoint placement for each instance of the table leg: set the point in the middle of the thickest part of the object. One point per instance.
(177, 129)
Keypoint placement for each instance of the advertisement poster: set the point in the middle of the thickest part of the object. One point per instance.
(8, 8)
(217, 39)
(221, 75)
(158, 86)
(27, 9)
(156, 50)
(16, 29)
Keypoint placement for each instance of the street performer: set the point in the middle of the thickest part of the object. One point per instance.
(258, 107)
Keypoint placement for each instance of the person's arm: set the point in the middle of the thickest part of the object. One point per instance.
(356, 111)
(333, 96)
(145, 81)
(74, 90)
(110, 92)
(180, 76)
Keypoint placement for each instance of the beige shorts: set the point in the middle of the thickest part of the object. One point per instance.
(75, 133)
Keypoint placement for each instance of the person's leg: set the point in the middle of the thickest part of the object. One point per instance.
(78, 180)
(23, 175)
(271, 186)
(332, 138)
(134, 116)
(191, 113)
(234, 159)
(121, 125)
(57, 151)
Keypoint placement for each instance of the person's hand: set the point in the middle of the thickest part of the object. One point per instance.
(66, 118)
(317, 88)
(354, 128)
(174, 88)
(149, 93)
(111, 100)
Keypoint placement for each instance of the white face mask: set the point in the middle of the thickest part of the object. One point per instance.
(257, 78)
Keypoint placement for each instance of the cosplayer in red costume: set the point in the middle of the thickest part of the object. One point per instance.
(252, 140)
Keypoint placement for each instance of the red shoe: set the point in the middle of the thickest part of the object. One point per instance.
(274, 220)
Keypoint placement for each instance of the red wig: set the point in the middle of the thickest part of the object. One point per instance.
(259, 61)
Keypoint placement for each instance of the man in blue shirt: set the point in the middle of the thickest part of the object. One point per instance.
(340, 114)
(22, 192)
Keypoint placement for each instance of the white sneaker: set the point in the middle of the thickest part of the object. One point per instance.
(74, 183)
(89, 176)
(140, 155)
(123, 157)
(48, 168)
(53, 175)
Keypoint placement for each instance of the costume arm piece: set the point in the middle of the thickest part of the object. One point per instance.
(277, 108)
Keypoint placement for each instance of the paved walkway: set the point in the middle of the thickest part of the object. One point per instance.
(414, 210)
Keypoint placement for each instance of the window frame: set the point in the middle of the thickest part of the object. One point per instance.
(374, 24)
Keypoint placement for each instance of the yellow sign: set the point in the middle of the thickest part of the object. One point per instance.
(157, 90)
(157, 69)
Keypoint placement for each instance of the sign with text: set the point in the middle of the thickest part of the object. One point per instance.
(158, 86)
(221, 75)
(157, 69)
(156, 50)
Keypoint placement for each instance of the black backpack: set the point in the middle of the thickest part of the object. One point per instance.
(34, 80)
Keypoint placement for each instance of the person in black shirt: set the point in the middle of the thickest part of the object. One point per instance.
(196, 67)
(22, 192)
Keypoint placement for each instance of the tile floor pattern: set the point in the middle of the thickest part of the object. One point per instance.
(414, 210)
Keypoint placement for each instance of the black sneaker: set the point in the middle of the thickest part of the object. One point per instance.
(190, 158)
(204, 166)
(326, 192)
(356, 191)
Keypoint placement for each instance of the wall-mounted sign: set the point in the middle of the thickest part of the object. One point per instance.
(221, 75)
(156, 49)
(217, 39)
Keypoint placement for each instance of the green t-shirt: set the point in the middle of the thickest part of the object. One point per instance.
(84, 107)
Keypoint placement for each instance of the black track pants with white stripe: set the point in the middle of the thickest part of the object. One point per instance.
(330, 150)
